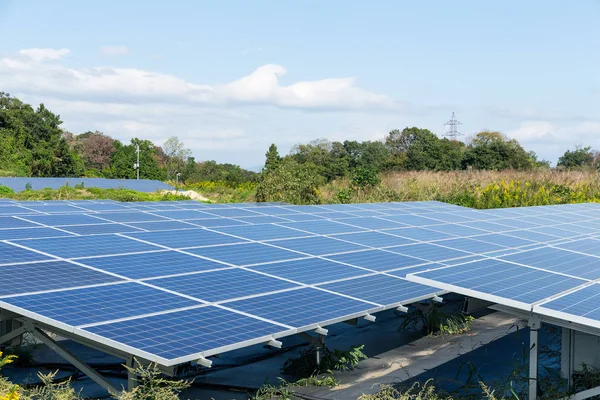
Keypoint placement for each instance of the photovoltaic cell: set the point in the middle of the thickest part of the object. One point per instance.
(374, 239)
(185, 333)
(318, 245)
(561, 261)
(10, 222)
(373, 223)
(266, 232)
(185, 238)
(149, 265)
(10, 254)
(377, 260)
(129, 217)
(429, 252)
(35, 277)
(323, 227)
(222, 285)
(419, 234)
(381, 289)
(31, 233)
(99, 229)
(88, 246)
(584, 303)
(310, 270)
(246, 253)
(303, 307)
(101, 303)
(586, 246)
(67, 219)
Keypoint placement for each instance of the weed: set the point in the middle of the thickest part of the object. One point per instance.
(337, 360)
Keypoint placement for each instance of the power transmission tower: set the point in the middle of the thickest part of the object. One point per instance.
(452, 132)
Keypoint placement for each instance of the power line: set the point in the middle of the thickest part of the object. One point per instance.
(452, 132)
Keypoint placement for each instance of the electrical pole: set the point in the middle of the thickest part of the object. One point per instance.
(452, 133)
(137, 164)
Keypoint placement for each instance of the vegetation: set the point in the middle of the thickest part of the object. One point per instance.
(305, 365)
(78, 193)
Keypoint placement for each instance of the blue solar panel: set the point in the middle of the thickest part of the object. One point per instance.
(31, 233)
(429, 252)
(266, 219)
(273, 210)
(99, 229)
(140, 185)
(102, 207)
(419, 234)
(88, 246)
(557, 260)
(246, 253)
(533, 236)
(42, 276)
(487, 226)
(556, 231)
(149, 265)
(373, 223)
(216, 222)
(162, 225)
(403, 272)
(469, 245)
(413, 220)
(15, 210)
(186, 333)
(373, 239)
(10, 222)
(318, 246)
(67, 219)
(323, 227)
(55, 208)
(222, 285)
(381, 289)
(183, 214)
(101, 303)
(457, 230)
(10, 254)
(377, 260)
(129, 217)
(586, 246)
(262, 232)
(504, 240)
(502, 280)
(303, 217)
(448, 217)
(303, 307)
(231, 212)
(584, 302)
(310, 270)
(186, 238)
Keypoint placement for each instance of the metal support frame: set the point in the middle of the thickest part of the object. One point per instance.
(12, 335)
(535, 322)
(73, 359)
(132, 378)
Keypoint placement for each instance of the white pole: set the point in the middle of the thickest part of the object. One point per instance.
(534, 326)
(137, 150)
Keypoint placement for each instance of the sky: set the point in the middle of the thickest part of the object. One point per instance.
(230, 77)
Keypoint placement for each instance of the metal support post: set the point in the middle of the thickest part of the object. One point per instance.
(534, 326)
(132, 379)
(13, 335)
(77, 363)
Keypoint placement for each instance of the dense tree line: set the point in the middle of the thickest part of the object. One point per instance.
(32, 143)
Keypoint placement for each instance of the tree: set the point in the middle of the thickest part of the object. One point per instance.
(580, 157)
(176, 156)
(272, 159)
(124, 157)
(292, 182)
(494, 151)
(95, 149)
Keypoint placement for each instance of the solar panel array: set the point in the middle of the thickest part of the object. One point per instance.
(140, 185)
(557, 275)
(175, 281)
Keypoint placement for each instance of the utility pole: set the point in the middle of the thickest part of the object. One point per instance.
(452, 133)
(137, 164)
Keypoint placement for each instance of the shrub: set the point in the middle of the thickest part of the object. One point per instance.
(5, 191)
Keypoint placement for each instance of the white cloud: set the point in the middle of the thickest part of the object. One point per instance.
(114, 50)
(128, 84)
(39, 55)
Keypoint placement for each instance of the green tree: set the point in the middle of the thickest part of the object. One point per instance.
(292, 182)
(124, 158)
(494, 151)
(176, 156)
(272, 159)
(580, 157)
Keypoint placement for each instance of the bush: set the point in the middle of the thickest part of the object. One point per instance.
(305, 364)
(6, 191)
(292, 183)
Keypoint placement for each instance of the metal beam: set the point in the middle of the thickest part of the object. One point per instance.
(13, 334)
(132, 379)
(77, 363)
(534, 326)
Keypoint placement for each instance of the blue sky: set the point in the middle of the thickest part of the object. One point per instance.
(230, 77)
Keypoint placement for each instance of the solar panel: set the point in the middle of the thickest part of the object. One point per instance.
(187, 335)
(310, 270)
(101, 303)
(10, 254)
(150, 265)
(52, 275)
(245, 253)
(306, 307)
(380, 289)
(87, 246)
(272, 270)
(222, 285)
(377, 260)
